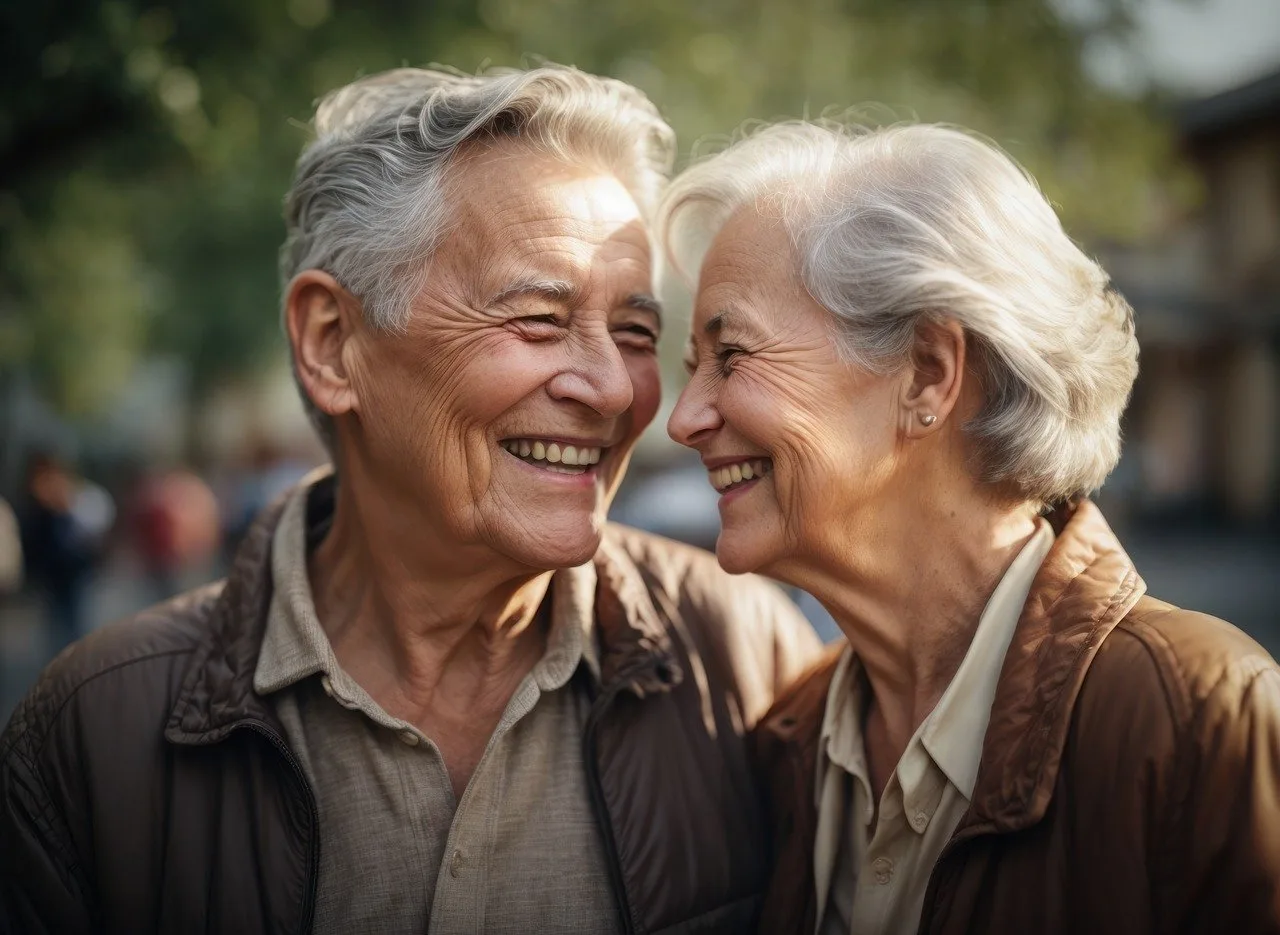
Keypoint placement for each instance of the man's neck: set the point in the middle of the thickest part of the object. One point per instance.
(430, 630)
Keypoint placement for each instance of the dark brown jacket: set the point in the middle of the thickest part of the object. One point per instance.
(1130, 775)
(145, 787)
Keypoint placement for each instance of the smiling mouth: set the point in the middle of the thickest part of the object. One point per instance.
(553, 456)
(731, 476)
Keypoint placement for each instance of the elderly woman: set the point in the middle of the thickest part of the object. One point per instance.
(438, 693)
(905, 380)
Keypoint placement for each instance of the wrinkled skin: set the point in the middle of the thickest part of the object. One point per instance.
(489, 354)
(768, 381)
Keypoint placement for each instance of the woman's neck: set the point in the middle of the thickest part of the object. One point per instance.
(907, 587)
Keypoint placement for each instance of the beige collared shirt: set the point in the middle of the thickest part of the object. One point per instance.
(520, 852)
(871, 880)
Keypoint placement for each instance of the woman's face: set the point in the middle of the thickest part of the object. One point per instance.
(798, 442)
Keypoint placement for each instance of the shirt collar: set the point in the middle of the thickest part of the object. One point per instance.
(295, 645)
(840, 742)
(951, 736)
(953, 732)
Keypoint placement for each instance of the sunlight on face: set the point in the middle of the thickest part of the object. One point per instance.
(511, 406)
(796, 440)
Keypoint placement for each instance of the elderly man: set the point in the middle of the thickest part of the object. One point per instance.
(437, 692)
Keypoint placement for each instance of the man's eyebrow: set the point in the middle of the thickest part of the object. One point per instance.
(645, 303)
(557, 290)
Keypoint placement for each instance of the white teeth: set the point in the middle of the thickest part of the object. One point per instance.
(724, 477)
(569, 455)
(539, 451)
(525, 449)
(553, 453)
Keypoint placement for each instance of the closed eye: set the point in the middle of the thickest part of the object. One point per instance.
(726, 355)
(537, 327)
(641, 329)
(636, 336)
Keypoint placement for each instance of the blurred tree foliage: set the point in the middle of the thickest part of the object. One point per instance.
(145, 146)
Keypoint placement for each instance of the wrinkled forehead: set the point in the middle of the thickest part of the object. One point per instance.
(509, 183)
(749, 265)
(514, 211)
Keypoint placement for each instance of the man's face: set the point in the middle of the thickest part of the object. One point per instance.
(509, 408)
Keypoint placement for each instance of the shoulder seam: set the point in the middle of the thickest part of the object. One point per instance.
(74, 691)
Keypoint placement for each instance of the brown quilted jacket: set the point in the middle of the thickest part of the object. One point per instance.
(145, 787)
(1130, 775)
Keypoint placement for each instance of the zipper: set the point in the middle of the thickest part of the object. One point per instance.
(313, 858)
(596, 789)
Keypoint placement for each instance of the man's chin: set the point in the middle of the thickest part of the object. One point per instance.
(560, 548)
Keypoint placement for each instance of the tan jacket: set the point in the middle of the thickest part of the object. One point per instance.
(1130, 775)
(146, 787)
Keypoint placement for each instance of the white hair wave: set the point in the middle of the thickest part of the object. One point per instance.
(370, 196)
(896, 226)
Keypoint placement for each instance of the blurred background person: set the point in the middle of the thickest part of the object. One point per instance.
(64, 520)
(10, 552)
(176, 528)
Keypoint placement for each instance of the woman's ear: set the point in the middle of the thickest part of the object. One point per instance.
(937, 376)
(321, 317)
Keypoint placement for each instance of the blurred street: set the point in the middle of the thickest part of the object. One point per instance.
(1234, 576)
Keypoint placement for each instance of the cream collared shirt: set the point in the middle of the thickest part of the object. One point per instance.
(871, 880)
(519, 852)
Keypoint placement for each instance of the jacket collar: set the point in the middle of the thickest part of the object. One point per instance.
(217, 691)
(1084, 588)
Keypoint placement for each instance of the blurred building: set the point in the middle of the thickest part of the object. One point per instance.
(1203, 432)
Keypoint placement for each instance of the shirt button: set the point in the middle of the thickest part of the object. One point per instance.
(919, 821)
(883, 868)
(327, 685)
(455, 864)
(409, 737)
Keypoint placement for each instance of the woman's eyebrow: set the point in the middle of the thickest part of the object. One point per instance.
(716, 322)
(731, 319)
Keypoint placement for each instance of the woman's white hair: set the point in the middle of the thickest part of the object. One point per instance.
(898, 226)
(370, 196)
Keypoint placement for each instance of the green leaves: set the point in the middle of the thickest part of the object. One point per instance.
(147, 145)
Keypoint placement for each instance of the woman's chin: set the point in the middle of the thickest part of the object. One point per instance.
(737, 554)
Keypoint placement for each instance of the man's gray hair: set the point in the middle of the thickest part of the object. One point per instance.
(913, 223)
(370, 196)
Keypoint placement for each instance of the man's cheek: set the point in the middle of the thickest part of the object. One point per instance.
(646, 387)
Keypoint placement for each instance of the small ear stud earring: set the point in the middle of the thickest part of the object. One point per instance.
(927, 419)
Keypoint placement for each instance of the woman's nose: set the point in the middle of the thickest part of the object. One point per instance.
(695, 416)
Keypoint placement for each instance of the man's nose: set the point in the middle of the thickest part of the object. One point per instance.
(695, 416)
(596, 376)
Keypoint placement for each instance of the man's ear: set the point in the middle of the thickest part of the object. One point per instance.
(321, 317)
(937, 376)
